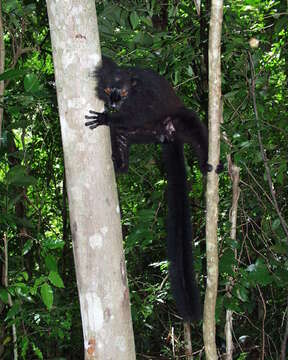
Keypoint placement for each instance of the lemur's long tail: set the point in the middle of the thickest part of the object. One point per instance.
(179, 236)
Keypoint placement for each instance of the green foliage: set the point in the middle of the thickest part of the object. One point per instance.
(34, 218)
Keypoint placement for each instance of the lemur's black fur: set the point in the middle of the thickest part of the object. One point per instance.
(142, 107)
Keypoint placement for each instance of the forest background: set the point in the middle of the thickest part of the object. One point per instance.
(41, 298)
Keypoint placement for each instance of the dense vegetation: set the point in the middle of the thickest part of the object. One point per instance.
(41, 296)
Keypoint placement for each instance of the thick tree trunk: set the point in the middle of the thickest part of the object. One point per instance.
(91, 186)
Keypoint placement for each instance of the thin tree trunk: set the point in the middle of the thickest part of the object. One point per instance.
(187, 341)
(228, 335)
(10, 301)
(234, 172)
(91, 186)
(212, 197)
(285, 338)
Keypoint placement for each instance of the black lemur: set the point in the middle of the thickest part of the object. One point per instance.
(142, 107)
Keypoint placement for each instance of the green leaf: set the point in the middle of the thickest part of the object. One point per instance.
(280, 248)
(52, 243)
(12, 74)
(227, 261)
(245, 144)
(142, 236)
(242, 293)
(134, 19)
(27, 246)
(232, 304)
(29, 8)
(22, 290)
(219, 307)
(113, 13)
(190, 71)
(276, 224)
(47, 295)
(148, 21)
(37, 351)
(55, 279)
(176, 77)
(11, 5)
(281, 278)
(51, 263)
(4, 295)
(7, 340)
(231, 94)
(37, 283)
(31, 83)
(259, 274)
(18, 176)
(146, 214)
(25, 275)
(281, 24)
(14, 310)
(24, 346)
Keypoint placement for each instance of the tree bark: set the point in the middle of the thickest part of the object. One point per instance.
(91, 185)
(212, 197)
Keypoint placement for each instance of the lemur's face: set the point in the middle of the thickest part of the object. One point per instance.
(116, 90)
(116, 96)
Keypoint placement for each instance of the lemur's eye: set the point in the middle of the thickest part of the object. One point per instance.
(124, 92)
(107, 91)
